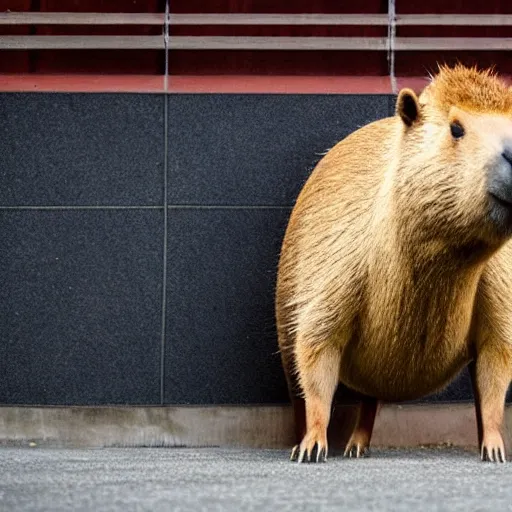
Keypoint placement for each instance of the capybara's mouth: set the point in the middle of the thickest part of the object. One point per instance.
(500, 201)
(500, 212)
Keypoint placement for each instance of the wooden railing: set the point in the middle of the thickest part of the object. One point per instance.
(167, 42)
(40, 42)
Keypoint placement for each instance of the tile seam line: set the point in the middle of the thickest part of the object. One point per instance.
(228, 207)
(163, 325)
(163, 329)
(169, 206)
(83, 207)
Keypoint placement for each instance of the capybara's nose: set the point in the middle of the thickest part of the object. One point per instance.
(507, 155)
(500, 183)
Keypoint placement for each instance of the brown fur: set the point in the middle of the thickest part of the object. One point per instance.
(392, 278)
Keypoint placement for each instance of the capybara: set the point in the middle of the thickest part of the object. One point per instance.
(396, 267)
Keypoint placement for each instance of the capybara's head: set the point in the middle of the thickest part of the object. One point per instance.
(453, 180)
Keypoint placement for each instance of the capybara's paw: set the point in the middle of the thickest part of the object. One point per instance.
(358, 446)
(313, 448)
(356, 451)
(493, 449)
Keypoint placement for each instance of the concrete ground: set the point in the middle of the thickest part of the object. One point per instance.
(171, 479)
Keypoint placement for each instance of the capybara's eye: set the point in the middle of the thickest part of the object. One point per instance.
(457, 130)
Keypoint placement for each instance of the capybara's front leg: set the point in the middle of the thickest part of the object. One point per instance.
(491, 377)
(318, 372)
(359, 442)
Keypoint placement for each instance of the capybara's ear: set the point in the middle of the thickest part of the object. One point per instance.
(408, 107)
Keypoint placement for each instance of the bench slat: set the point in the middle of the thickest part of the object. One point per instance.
(82, 43)
(251, 43)
(469, 20)
(453, 43)
(81, 18)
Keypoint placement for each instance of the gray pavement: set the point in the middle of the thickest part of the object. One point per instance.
(158, 479)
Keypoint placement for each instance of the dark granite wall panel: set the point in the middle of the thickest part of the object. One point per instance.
(459, 389)
(221, 342)
(80, 306)
(81, 149)
(81, 289)
(234, 149)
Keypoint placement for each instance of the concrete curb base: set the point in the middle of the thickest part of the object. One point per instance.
(236, 426)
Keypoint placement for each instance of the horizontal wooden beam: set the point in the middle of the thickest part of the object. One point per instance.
(82, 43)
(189, 43)
(80, 18)
(85, 18)
(276, 43)
(343, 19)
(469, 20)
(453, 43)
(278, 19)
(338, 43)
(251, 43)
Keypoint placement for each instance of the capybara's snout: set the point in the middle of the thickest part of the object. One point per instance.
(501, 178)
(500, 189)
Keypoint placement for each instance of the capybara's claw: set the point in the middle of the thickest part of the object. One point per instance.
(295, 451)
(356, 451)
(309, 449)
(357, 446)
(321, 454)
(495, 454)
(493, 449)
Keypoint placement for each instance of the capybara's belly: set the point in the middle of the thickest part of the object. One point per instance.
(401, 371)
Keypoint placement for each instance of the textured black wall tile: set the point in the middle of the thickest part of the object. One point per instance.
(81, 149)
(458, 390)
(80, 291)
(256, 149)
(221, 342)
(391, 104)
(80, 306)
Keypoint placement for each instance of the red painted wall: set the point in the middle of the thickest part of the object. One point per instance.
(13, 61)
(252, 62)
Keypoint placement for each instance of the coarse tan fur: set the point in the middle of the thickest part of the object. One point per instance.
(396, 268)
